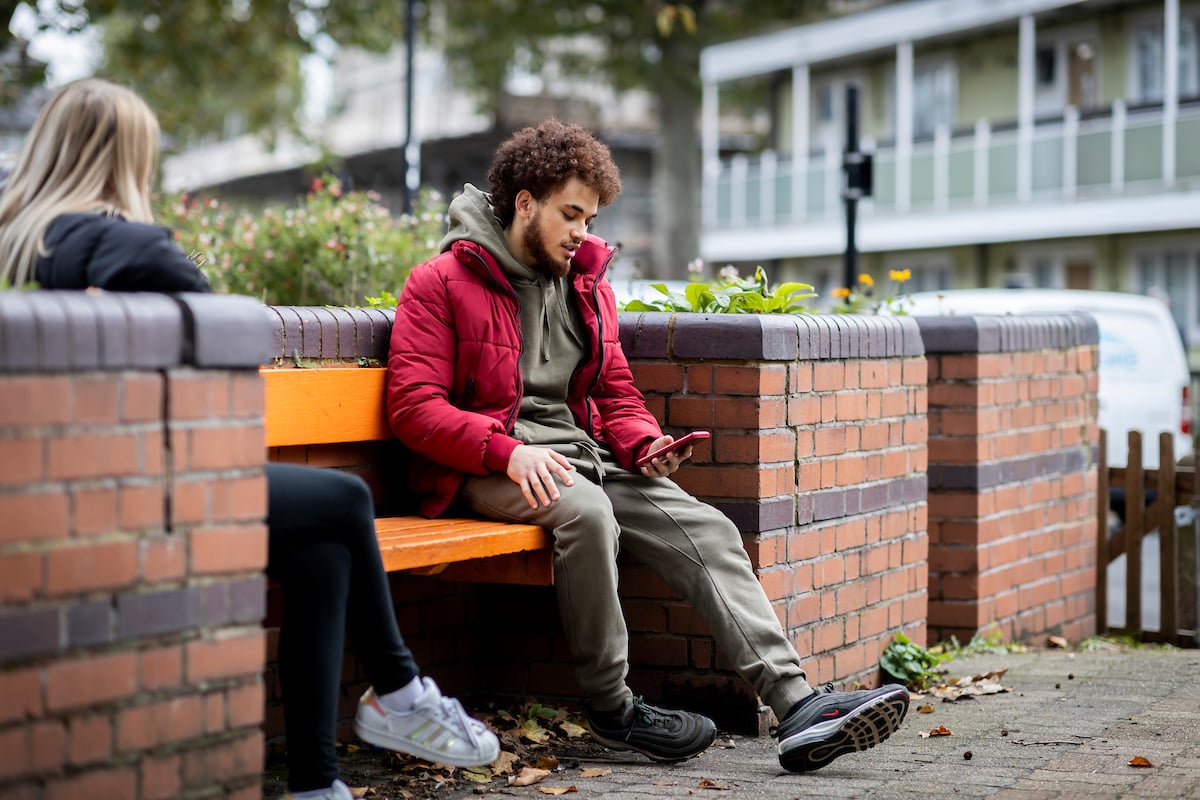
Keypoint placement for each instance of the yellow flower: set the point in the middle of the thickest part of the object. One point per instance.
(900, 275)
(842, 293)
(866, 280)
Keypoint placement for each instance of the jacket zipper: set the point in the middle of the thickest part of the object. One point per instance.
(599, 340)
(512, 414)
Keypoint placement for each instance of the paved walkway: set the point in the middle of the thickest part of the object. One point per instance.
(1067, 728)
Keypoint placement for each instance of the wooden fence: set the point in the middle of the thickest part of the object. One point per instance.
(1176, 489)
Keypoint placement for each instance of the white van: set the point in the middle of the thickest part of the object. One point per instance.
(1144, 377)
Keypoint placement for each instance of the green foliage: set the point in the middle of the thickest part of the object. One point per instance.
(990, 641)
(634, 43)
(5, 286)
(911, 664)
(730, 294)
(208, 66)
(385, 300)
(1120, 641)
(861, 298)
(333, 248)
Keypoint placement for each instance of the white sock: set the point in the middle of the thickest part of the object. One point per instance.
(402, 700)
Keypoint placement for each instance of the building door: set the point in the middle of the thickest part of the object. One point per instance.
(1079, 273)
(1082, 89)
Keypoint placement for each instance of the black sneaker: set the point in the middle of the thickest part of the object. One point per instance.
(660, 734)
(831, 724)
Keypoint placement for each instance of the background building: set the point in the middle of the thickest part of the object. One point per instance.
(362, 132)
(1051, 143)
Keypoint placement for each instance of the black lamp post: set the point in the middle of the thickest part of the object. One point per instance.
(857, 168)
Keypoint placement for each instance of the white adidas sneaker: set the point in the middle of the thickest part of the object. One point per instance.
(438, 729)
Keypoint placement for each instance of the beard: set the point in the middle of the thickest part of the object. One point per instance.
(542, 260)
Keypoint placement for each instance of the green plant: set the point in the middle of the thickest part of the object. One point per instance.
(5, 286)
(990, 641)
(385, 300)
(1120, 641)
(730, 294)
(861, 298)
(333, 248)
(910, 663)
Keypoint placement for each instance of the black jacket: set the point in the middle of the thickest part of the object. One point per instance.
(115, 254)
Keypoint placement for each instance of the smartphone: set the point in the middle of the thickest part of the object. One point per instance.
(679, 444)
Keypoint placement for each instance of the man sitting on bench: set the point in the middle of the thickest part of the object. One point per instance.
(507, 379)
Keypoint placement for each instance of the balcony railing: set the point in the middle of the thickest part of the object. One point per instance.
(1115, 152)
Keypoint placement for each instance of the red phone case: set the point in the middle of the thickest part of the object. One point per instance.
(681, 442)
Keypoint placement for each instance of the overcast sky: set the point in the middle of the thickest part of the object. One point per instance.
(69, 57)
(77, 56)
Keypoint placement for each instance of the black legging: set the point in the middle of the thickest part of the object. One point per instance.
(322, 549)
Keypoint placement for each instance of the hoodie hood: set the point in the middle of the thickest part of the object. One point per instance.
(472, 219)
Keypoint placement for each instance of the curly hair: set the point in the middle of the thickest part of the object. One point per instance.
(542, 159)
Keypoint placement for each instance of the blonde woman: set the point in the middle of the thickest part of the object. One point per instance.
(76, 214)
(76, 209)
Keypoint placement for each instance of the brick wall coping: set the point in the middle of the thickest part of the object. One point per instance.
(1006, 334)
(318, 332)
(58, 331)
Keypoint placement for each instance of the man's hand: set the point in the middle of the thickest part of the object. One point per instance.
(533, 469)
(664, 465)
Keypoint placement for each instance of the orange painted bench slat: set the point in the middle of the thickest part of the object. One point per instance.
(327, 405)
(343, 404)
(412, 542)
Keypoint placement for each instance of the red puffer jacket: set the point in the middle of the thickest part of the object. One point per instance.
(454, 381)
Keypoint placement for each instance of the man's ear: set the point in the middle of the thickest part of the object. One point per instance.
(525, 204)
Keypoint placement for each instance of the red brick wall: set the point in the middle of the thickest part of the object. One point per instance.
(1012, 491)
(131, 550)
(818, 455)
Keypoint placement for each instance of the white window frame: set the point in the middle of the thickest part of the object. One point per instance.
(837, 83)
(1153, 19)
(1058, 256)
(932, 66)
(926, 63)
(1159, 252)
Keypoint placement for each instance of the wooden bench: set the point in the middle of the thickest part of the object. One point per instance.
(345, 404)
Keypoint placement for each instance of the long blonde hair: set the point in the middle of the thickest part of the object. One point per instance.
(92, 149)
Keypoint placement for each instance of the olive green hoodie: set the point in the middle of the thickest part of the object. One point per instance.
(552, 332)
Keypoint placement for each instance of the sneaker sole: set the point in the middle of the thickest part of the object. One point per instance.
(860, 730)
(710, 735)
(389, 742)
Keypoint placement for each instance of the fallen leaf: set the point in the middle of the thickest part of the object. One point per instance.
(940, 730)
(557, 789)
(958, 688)
(664, 783)
(705, 783)
(531, 730)
(477, 774)
(1140, 761)
(925, 709)
(594, 772)
(547, 761)
(571, 729)
(528, 776)
(1058, 641)
(360, 791)
(354, 748)
(504, 763)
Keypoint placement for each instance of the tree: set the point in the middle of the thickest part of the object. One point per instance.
(638, 44)
(205, 65)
